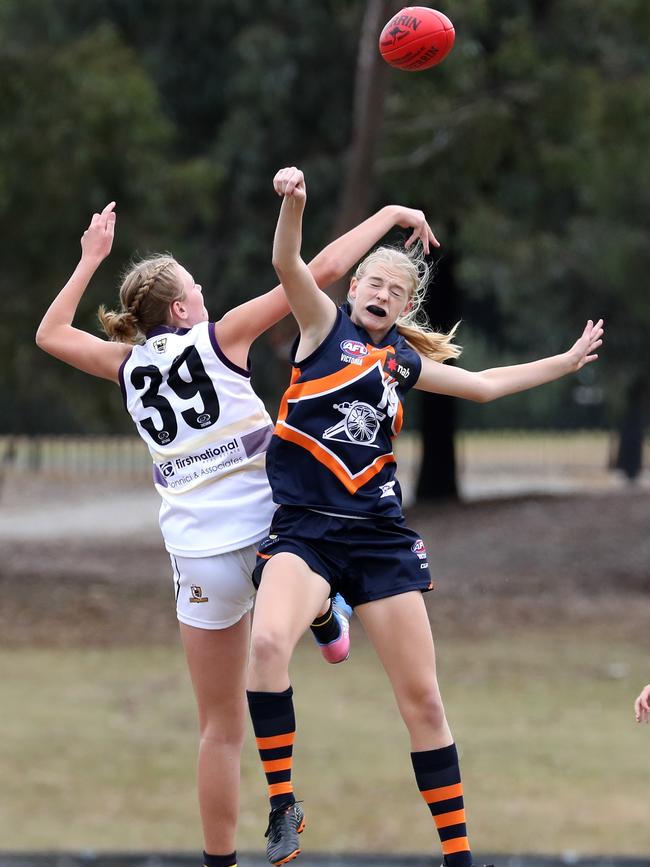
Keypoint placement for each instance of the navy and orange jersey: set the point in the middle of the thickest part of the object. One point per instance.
(332, 448)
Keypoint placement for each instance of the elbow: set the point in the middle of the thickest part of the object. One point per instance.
(482, 392)
(279, 265)
(41, 338)
(45, 339)
(285, 267)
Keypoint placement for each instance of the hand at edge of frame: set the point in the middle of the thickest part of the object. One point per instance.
(642, 705)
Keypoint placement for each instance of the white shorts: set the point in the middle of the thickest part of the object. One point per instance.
(214, 592)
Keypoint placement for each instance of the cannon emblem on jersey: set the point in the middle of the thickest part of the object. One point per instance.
(360, 424)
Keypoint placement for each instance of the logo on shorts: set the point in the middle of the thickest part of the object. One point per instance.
(197, 594)
(160, 345)
(419, 549)
(167, 469)
(268, 542)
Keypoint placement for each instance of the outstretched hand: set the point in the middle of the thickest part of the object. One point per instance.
(290, 182)
(642, 705)
(97, 240)
(411, 218)
(583, 350)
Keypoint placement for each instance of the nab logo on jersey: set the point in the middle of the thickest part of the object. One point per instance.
(352, 351)
(397, 368)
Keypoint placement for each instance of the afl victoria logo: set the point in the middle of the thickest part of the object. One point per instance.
(354, 348)
(419, 548)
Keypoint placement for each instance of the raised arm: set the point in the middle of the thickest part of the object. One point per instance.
(314, 311)
(238, 328)
(56, 334)
(487, 385)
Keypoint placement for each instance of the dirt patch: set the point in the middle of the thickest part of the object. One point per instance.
(503, 564)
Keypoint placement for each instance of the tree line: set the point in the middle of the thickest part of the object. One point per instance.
(529, 149)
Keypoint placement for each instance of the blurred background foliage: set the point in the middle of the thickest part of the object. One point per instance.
(528, 148)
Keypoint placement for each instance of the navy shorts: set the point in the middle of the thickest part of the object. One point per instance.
(362, 560)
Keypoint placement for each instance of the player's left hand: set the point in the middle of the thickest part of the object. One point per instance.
(290, 182)
(411, 218)
(583, 350)
(97, 240)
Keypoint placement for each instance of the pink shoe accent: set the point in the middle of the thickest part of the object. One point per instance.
(339, 649)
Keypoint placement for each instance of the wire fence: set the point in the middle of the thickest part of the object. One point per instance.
(486, 459)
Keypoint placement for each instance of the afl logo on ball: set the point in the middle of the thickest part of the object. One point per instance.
(419, 549)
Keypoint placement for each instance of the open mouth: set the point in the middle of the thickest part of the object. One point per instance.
(376, 311)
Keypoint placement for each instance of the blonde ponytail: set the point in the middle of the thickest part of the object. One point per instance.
(122, 327)
(432, 344)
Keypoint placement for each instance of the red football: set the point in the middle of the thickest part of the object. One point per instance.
(416, 38)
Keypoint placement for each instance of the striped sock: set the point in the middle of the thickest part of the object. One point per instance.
(274, 724)
(220, 860)
(326, 628)
(438, 777)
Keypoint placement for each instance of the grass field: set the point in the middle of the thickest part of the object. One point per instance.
(541, 618)
(97, 748)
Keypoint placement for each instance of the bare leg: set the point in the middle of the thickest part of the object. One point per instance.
(217, 661)
(289, 598)
(401, 634)
(400, 631)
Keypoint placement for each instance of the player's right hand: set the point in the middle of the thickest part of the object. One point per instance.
(290, 182)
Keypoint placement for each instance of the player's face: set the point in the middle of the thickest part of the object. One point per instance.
(190, 308)
(379, 298)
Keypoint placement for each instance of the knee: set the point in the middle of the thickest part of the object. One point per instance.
(217, 730)
(424, 709)
(270, 651)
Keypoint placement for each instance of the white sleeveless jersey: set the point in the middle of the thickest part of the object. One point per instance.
(207, 432)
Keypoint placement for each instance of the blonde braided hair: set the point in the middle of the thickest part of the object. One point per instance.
(147, 290)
